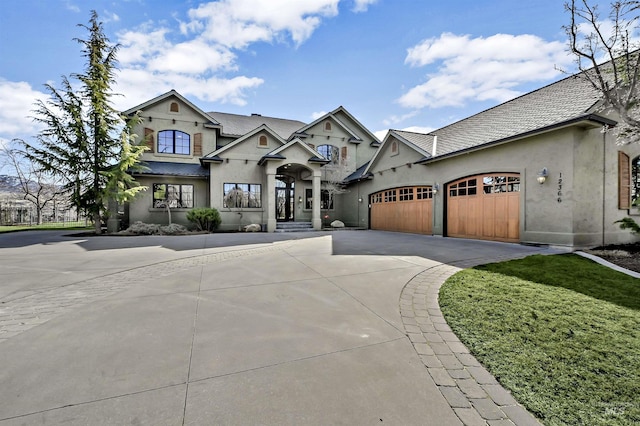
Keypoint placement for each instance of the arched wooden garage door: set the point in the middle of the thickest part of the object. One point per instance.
(408, 209)
(485, 207)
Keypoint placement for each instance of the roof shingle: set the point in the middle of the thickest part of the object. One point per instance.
(239, 125)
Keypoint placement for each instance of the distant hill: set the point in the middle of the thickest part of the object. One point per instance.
(9, 184)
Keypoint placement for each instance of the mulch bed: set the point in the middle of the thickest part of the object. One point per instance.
(624, 255)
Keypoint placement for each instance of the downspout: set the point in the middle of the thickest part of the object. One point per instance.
(435, 196)
(604, 176)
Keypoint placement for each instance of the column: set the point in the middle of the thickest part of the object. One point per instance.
(316, 220)
(271, 199)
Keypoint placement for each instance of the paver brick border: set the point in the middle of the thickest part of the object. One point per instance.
(474, 394)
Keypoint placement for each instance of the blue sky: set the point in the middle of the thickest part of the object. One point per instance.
(401, 64)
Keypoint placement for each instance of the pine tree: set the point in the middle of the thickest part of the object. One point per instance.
(82, 136)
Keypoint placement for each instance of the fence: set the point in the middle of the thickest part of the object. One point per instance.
(19, 212)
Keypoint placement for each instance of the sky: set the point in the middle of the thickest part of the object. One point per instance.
(413, 65)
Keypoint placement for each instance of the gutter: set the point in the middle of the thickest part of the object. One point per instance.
(600, 120)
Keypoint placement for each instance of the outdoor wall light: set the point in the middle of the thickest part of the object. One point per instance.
(300, 199)
(360, 199)
(435, 189)
(542, 175)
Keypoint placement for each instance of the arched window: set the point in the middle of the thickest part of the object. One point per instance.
(394, 147)
(635, 181)
(330, 152)
(262, 141)
(327, 126)
(174, 107)
(174, 142)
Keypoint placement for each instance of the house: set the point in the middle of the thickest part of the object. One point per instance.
(253, 169)
(538, 169)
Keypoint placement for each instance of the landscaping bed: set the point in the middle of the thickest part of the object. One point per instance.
(624, 255)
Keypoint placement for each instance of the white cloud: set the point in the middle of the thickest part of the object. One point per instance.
(395, 119)
(238, 23)
(418, 129)
(380, 134)
(362, 5)
(316, 115)
(200, 57)
(17, 102)
(479, 69)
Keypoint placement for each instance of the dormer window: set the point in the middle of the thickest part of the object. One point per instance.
(327, 126)
(174, 107)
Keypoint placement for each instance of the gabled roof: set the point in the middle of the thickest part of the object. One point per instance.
(374, 138)
(238, 125)
(420, 142)
(551, 105)
(162, 168)
(361, 173)
(354, 137)
(172, 93)
(277, 153)
(238, 141)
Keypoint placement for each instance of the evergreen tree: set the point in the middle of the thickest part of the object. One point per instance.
(82, 136)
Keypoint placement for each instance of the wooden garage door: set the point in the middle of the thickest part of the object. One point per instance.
(408, 209)
(485, 207)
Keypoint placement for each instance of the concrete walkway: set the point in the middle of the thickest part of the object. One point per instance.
(313, 328)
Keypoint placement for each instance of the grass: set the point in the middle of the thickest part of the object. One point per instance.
(52, 226)
(561, 332)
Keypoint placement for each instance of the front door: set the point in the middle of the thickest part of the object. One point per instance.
(285, 198)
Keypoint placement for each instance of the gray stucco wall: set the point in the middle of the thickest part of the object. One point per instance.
(141, 209)
(574, 159)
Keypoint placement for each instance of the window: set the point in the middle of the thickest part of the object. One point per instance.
(390, 196)
(174, 142)
(177, 196)
(327, 126)
(424, 193)
(174, 107)
(406, 194)
(498, 184)
(326, 201)
(242, 195)
(330, 152)
(262, 141)
(394, 148)
(635, 181)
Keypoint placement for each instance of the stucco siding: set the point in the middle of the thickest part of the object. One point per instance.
(141, 209)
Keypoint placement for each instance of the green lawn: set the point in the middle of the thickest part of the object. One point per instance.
(47, 226)
(561, 332)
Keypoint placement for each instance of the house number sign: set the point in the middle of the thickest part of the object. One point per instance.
(560, 188)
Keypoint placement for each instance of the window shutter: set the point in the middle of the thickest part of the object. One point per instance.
(624, 181)
(148, 139)
(343, 155)
(197, 144)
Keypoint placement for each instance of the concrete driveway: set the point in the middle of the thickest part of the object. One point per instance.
(301, 328)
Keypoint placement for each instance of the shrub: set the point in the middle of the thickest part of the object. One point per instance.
(205, 219)
(173, 229)
(629, 223)
(142, 228)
